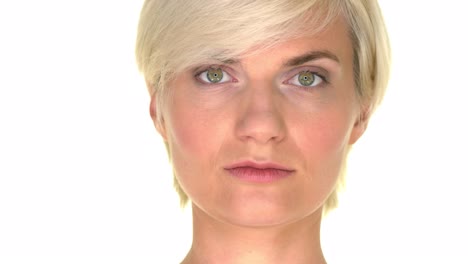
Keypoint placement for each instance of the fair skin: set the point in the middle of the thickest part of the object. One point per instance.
(260, 113)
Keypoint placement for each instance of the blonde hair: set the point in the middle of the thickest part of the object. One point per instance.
(176, 34)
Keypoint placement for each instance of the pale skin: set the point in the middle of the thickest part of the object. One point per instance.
(261, 113)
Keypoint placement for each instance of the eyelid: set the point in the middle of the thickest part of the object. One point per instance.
(320, 72)
(201, 69)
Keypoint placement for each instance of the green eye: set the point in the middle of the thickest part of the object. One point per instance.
(214, 75)
(306, 78)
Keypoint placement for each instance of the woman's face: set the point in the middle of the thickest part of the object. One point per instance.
(260, 141)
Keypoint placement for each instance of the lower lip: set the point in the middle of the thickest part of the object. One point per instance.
(250, 174)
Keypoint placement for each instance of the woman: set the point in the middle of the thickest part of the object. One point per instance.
(259, 103)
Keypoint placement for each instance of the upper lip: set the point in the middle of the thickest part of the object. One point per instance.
(258, 165)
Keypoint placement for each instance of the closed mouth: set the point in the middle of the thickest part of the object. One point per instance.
(258, 172)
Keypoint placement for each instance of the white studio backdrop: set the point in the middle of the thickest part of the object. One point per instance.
(84, 178)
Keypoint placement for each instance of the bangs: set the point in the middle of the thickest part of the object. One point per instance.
(225, 30)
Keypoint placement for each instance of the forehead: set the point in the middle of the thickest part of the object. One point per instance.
(298, 39)
(332, 43)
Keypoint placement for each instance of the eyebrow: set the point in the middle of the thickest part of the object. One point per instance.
(230, 61)
(311, 56)
(301, 59)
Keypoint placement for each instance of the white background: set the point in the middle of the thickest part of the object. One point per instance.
(84, 177)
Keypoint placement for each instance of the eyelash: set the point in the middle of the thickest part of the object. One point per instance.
(323, 80)
(199, 72)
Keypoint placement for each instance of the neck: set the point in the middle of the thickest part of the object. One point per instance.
(218, 242)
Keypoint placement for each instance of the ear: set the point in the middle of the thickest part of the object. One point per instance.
(153, 109)
(360, 125)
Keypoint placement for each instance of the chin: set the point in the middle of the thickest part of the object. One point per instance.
(262, 214)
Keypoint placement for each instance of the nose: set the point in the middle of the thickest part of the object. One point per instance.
(260, 118)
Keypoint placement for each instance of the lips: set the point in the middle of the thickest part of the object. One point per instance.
(258, 172)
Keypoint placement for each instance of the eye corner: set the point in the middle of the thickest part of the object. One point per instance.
(310, 76)
(219, 75)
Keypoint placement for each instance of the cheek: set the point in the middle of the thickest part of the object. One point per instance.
(192, 128)
(186, 142)
(324, 146)
(183, 133)
(326, 135)
(194, 135)
(186, 135)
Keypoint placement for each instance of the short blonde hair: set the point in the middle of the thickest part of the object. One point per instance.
(176, 34)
